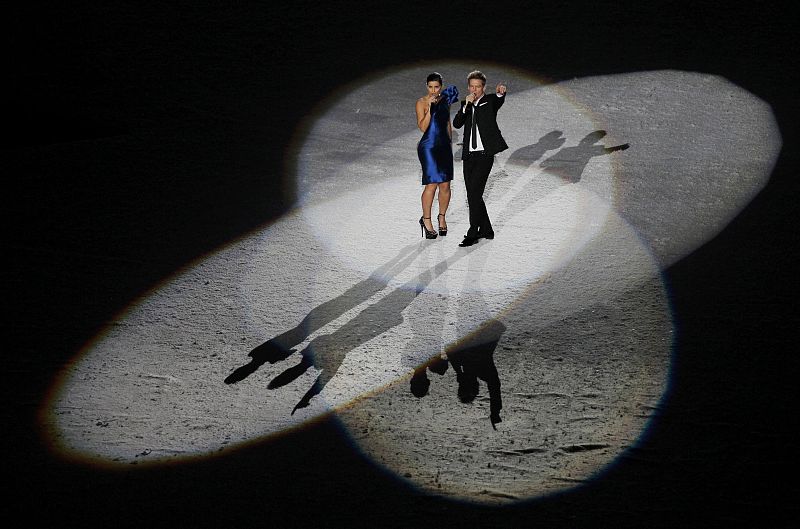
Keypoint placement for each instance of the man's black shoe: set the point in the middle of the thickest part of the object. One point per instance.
(488, 235)
(468, 241)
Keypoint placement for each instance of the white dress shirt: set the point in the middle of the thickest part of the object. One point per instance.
(479, 143)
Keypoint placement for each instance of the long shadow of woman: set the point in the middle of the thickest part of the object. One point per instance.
(327, 352)
(282, 346)
(526, 156)
(569, 162)
(472, 356)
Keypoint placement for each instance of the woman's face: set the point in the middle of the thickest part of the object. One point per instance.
(434, 87)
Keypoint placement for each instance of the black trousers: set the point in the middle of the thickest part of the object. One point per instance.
(476, 172)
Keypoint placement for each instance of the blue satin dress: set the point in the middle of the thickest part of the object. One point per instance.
(434, 148)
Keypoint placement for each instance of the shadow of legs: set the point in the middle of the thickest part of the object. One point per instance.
(420, 383)
(290, 374)
(268, 351)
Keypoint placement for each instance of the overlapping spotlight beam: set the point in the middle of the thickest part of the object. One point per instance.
(340, 306)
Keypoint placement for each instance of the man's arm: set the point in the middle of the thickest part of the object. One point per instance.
(458, 121)
(500, 95)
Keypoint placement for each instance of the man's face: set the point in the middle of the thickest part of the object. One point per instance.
(476, 88)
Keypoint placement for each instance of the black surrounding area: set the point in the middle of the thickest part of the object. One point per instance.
(204, 102)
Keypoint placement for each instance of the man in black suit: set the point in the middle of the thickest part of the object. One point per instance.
(482, 140)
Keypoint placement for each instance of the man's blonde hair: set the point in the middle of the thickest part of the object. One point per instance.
(477, 74)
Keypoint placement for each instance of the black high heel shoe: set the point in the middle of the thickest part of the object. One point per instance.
(428, 234)
(442, 231)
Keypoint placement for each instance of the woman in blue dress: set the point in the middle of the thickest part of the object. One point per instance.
(435, 151)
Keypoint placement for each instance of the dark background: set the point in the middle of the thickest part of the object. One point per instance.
(143, 138)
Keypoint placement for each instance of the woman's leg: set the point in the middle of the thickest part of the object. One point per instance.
(428, 193)
(444, 202)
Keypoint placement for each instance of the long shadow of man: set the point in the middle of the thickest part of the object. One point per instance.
(327, 352)
(472, 359)
(282, 346)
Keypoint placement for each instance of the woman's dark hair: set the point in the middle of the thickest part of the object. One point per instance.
(435, 76)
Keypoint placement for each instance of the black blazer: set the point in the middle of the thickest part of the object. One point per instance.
(486, 113)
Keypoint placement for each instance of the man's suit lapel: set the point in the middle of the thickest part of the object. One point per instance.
(474, 119)
(475, 111)
(480, 107)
